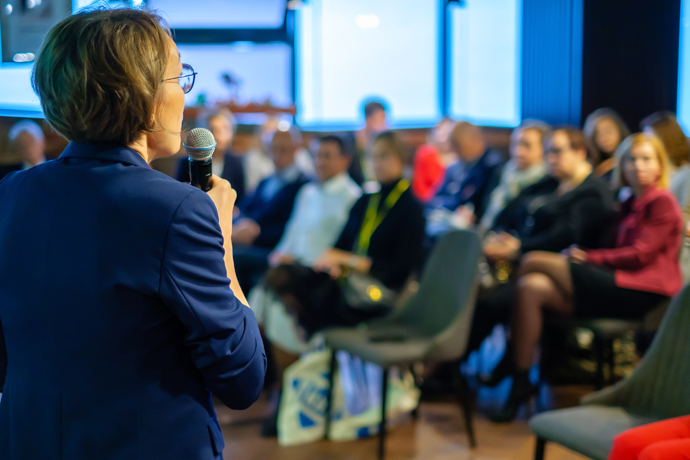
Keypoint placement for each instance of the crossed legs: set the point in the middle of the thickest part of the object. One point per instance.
(544, 282)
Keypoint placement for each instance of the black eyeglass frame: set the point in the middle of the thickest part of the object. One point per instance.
(193, 75)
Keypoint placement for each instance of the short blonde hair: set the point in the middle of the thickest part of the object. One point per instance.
(99, 72)
(624, 151)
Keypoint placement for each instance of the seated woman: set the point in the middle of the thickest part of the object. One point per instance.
(568, 207)
(382, 239)
(667, 440)
(605, 130)
(627, 281)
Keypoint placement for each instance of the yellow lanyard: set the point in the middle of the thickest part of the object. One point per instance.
(374, 217)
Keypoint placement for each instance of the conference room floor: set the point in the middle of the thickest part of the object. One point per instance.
(439, 434)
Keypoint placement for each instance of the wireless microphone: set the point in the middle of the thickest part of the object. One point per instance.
(200, 145)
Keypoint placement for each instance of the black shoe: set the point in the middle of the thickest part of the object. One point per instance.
(269, 427)
(520, 393)
(502, 370)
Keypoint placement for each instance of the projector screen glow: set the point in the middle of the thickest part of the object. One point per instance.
(262, 72)
(484, 59)
(221, 14)
(683, 110)
(17, 98)
(349, 51)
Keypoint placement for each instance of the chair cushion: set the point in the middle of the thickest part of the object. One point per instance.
(588, 430)
(384, 346)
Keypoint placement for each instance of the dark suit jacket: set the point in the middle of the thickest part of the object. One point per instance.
(117, 316)
(473, 184)
(233, 172)
(6, 169)
(546, 222)
(271, 215)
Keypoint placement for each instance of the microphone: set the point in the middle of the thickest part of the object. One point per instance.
(200, 145)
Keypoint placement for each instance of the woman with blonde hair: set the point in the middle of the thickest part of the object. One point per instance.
(635, 275)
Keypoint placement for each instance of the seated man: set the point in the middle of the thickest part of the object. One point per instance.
(321, 211)
(525, 167)
(468, 182)
(224, 163)
(28, 142)
(264, 215)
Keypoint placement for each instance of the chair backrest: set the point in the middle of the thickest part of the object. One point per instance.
(659, 387)
(443, 306)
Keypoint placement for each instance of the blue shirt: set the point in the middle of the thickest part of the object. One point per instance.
(118, 321)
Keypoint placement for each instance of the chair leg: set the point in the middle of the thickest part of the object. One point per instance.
(611, 360)
(415, 411)
(382, 426)
(466, 403)
(600, 350)
(329, 396)
(540, 449)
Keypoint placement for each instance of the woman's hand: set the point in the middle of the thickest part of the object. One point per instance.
(332, 262)
(576, 254)
(246, 231)
(502, 246)
(279, 258)
(223, 197)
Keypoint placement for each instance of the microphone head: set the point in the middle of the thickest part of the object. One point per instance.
(199, 144)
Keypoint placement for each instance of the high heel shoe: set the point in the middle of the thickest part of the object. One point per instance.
(520, 393)
(502, 370)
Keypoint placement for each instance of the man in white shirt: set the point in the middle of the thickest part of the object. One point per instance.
(321, 211)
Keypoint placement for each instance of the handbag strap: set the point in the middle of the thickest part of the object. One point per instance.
(374, 216)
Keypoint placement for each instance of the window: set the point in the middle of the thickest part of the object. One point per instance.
(349, 51)
(261, 72)
(484, 61)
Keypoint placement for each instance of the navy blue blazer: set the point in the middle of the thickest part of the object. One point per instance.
(233, 172)
(117, 318)
(271, 215)
(473, 184)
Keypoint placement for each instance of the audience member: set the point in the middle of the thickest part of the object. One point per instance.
(665, 126)
(257, 162)
(321, 210)
(382, 240)
(569, 207)
(627, 281)
(303, 159)
(525, 167)
(28, 142)
(361, 169)
(664, 440)
(264, 215)
(605, 130)
(431, 160)
(225, 163)
(468, 182)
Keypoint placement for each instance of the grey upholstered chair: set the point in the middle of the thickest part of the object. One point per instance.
(657, 389)
(433, 326)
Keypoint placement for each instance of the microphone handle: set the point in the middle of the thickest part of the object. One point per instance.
(200, 172)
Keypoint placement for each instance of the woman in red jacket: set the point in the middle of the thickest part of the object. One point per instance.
(623, 282)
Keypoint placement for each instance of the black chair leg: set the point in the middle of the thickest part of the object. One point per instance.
(415, 411)
(382, 426)
(539, 449)
(611, 360)
(329, 396)
(466, 403)
(600, 350)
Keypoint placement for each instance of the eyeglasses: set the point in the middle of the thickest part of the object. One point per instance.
(186, 78)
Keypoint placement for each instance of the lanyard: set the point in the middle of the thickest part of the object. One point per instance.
(374, 217)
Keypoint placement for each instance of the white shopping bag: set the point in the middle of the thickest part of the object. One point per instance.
(356, 399)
